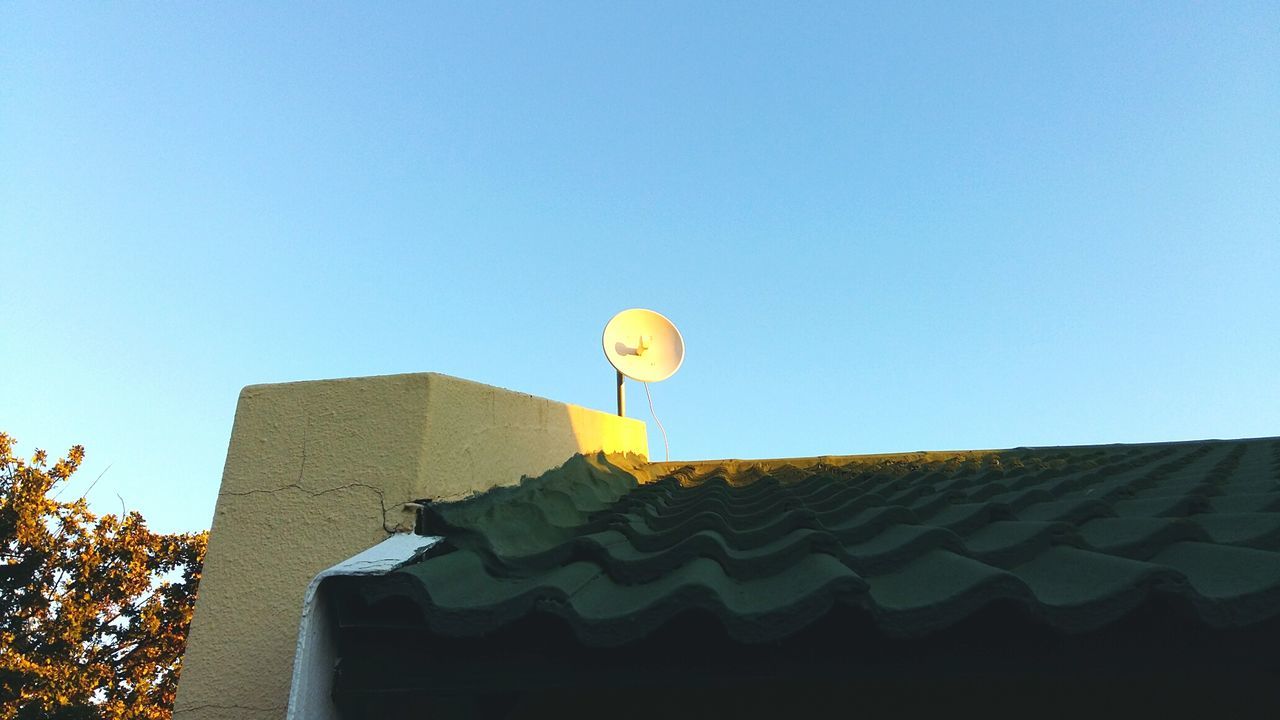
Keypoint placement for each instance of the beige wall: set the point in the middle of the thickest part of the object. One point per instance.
(317, 472)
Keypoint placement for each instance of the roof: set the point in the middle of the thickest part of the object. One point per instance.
(1077, 537)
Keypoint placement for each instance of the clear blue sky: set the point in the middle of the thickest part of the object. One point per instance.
(880, 228)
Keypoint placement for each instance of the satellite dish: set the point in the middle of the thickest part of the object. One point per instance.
(642, 345)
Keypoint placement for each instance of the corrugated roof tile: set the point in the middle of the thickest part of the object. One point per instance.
(1077, 536)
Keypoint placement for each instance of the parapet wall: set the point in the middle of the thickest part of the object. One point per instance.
(319, 471)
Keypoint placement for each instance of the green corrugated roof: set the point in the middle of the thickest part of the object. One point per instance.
(1077, 536)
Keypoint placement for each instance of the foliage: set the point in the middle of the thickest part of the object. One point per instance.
(94, 611)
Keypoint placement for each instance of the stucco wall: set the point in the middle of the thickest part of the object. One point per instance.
(319, 471)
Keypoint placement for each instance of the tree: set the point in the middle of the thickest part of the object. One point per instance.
(94, 611)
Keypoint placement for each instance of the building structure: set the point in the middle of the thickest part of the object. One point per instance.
(1075, 579)
(318, 472)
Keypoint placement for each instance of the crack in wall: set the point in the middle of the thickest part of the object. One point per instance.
(387, 527)
(302, 466)
(382, 500)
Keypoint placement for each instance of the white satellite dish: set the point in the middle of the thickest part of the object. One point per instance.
(644, 346)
